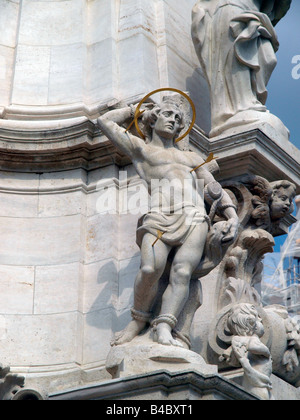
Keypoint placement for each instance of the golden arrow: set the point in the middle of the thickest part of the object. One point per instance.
(209, 159)
(159, 236)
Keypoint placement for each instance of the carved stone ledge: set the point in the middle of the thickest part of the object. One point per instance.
(251, 152)
(37, 146)
(161, 385)
(58, 147)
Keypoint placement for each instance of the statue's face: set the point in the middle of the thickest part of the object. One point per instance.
(281, 203)
(168, 123)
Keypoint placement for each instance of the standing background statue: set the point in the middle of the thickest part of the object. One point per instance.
(236, 42)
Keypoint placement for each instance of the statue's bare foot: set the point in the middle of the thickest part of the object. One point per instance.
(132, 330)
(164, 336)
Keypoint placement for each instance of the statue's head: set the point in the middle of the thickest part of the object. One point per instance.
(282, 199)
(244, 320)
(166, 120)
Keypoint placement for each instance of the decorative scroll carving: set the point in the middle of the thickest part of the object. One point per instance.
(10, 384)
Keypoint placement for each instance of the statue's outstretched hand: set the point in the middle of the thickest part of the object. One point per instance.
(230, 230)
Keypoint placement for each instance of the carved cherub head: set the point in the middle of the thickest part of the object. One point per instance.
(282, 199)
(244, 320)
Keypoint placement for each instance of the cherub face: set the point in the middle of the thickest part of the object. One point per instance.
(281, 203)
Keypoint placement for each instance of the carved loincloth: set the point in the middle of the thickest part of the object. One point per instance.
(175, 227)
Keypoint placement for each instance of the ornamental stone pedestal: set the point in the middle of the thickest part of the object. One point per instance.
(67, 266)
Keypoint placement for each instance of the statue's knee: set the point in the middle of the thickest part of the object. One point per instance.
(148, 271)
(182, 274)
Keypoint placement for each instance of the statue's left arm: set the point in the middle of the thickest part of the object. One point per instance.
(224, 203)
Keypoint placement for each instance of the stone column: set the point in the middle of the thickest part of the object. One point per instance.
(67, 270)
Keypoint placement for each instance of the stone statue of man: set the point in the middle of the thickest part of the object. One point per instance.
(182, 224)
(236, 42)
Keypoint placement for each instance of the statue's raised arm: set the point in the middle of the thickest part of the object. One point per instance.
(111, 124)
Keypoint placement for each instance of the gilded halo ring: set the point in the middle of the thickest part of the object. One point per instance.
(137, 112)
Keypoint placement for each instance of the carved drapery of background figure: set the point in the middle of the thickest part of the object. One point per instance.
(236, 44)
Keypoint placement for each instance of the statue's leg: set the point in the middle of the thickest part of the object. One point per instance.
(185, 262)
(153, 262)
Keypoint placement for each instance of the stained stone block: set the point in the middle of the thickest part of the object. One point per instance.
(32, 75)
(101, 238)
(46, 339)
(16, 182)
(61, 204)
(137, 56)
(9, 11)
(102, 59)
(17, 290)
(45, 23)
(66, 59)
(100, 285)
(97, 334)
(128, 270)
(18, 205)
(6, 64)
(102, 18)
(31, 241)
(128, 224)
(51, 283)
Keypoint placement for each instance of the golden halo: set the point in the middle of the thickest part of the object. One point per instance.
(137, 112)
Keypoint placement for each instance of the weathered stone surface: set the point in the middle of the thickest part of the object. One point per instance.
(142, 355)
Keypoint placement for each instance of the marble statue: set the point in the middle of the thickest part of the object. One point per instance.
(263, 209)
(177, 223)
(246, 328)
(236, 44)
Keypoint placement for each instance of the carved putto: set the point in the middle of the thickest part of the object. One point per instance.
(246, 328)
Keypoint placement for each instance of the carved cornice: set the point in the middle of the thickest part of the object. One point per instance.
(42, 146)
(251, 152)
(53, 145)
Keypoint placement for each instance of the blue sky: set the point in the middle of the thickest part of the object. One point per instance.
(284, 90)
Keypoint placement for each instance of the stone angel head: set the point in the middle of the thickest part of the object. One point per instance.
(244, 320)
(282, 199)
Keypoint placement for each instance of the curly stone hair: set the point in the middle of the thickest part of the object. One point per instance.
(150, 117)
(242, 319)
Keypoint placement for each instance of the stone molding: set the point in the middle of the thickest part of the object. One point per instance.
(252, 151)
(68, 144)
(162, 383)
